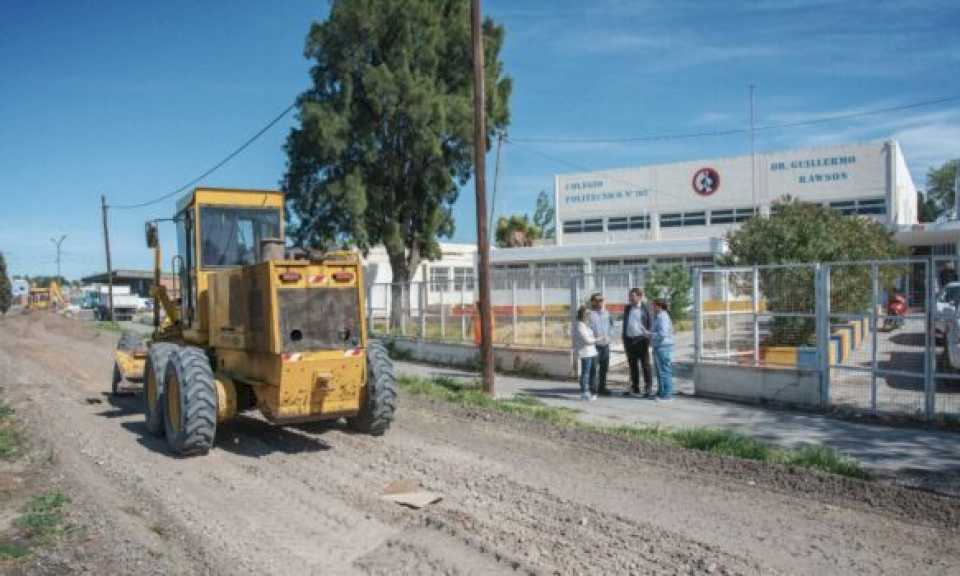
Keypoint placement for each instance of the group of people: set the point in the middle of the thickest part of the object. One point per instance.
(642, 330)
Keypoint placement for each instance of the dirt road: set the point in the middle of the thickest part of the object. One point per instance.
(519, 497)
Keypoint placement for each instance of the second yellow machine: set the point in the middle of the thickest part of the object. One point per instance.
(252, 328)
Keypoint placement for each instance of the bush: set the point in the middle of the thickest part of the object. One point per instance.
(674, 284)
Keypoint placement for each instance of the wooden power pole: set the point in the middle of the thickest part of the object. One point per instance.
(106, 245)
(479, 175)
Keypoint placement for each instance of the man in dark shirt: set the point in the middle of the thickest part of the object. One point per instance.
(637, 323)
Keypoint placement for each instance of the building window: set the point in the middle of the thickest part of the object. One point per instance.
(671, 220)
(578, 226)
(573, 226)
(614, 224)
(669, 261)
(845, 207)
(559, 274)
(628, 223)
(463, 278)
(731, 215)
(872, 206)
(866, 206)
(639, 222)
(694, 218)
(699, 261)
(678, 219)
(721, 216)
(439, 279)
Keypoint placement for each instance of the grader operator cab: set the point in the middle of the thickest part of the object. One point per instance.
(254, 329)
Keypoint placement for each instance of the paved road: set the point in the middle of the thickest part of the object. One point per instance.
(884, 448)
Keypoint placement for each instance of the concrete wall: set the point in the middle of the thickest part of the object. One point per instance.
(785, 386)
(531, 361)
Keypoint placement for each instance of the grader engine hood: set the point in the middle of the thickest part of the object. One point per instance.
(293, 330)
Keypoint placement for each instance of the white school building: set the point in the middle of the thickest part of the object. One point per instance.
(680, 213)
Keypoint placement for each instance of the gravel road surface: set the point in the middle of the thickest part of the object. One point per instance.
(519, 496)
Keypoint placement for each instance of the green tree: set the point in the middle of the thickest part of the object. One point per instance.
(674, 284)
(543, 217)
(799, 232)
(516, 231)
(941, 186)
(6, 292)
(385, 135)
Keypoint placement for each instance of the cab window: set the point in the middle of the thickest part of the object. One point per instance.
(231, 236)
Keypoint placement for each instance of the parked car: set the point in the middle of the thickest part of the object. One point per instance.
(946, 307)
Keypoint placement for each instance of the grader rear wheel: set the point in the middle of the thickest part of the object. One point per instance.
(380, 396)
(153, 373)
(190, 402)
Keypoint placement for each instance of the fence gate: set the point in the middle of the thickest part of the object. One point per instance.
(839, 319)
(880, 363)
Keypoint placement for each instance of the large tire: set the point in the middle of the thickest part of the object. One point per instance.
(154, 370)
(380, 396)
(189, 402)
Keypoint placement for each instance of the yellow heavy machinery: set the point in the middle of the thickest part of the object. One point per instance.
(253, 328)
(44, 298)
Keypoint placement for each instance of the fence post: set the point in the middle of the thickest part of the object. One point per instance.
(756, 315)
(874, 302)
(543, 315)
(698, 318)
(404, 307)
(422, 299)
(574, 304)
(929, 383)
(443, 311)
(822, 306)
(726, 314)
(463, 311)
(513, 308)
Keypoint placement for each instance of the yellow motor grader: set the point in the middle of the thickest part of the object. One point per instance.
(254, 328)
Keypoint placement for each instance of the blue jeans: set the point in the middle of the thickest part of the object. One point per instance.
(598, 372)
(586, 368)
(663, 357)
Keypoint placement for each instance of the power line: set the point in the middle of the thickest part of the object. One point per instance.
(214, 168)
(732, 131)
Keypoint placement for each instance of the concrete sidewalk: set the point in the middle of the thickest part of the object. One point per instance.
(892, 449)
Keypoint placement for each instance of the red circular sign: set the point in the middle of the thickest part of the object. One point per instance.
(706, 181)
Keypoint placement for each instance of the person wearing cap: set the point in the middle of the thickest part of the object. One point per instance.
(602, 324)
(662, 339)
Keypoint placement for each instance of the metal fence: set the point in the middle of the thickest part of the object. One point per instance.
(530, 310)
(834, 318)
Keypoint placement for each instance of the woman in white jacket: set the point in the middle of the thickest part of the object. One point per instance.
(584, 344)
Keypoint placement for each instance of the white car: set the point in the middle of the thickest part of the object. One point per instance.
(946, 307)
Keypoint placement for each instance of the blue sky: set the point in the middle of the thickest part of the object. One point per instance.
(132, 99)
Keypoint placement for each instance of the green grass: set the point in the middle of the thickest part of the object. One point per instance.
(9, 438)
(9, 551)
(43, 516)
(107, 326)
(469, 393)
(712, 440)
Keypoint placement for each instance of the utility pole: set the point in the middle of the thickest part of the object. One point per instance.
(753, 156)
(57, 242)
(106, 245)
(479, 175)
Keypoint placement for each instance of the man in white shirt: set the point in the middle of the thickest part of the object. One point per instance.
(637, 323)
(602, 324)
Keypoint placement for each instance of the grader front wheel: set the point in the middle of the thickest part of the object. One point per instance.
(190, 402)
(153, 373)
(380, 397)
